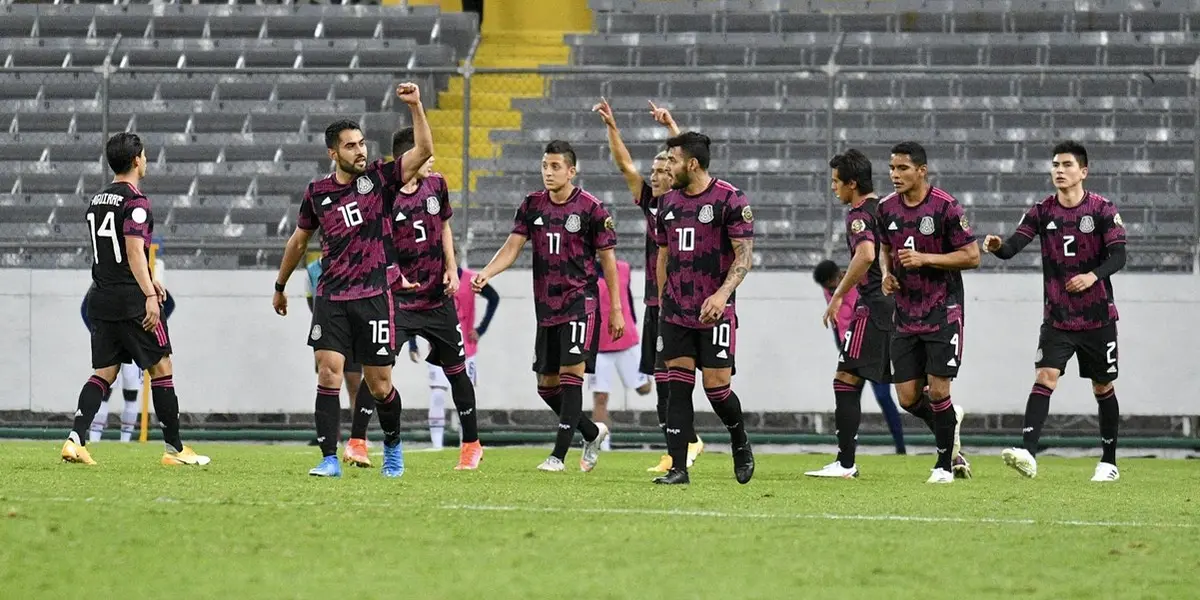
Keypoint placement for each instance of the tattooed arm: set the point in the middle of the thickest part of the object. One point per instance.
(714, 305)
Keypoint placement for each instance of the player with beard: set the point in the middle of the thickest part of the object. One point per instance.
(646, 197)
(352, 313)
(569, 229)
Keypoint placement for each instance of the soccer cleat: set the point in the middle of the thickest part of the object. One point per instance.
(1106, 472)
(673, 477)
(553, 465)
(355, 453)
(187, 456)
(469, 456)
(940, 476)
(591, 450)
(329, 467)
(960, 467)
(664, 465)
(835, 469)
(694, 451)
(1021, 460)
(393, 460)
(958, 419)
(76, 453)
(743, 463)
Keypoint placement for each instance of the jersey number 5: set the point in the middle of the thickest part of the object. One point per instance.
(420, 227)
(108, 229)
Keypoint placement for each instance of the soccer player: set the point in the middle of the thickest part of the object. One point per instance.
(705, 236)
(568, 228)
(129, 379)
(618, 358)
(439, 385)
(828, 276)
(352, 311)
(926, 243)
(1083, 244)
(424, 249)
(125, 306)
(352, 371)
(646, 196)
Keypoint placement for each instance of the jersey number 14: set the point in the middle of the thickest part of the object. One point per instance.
(107, 229)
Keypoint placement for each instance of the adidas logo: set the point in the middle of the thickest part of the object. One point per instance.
(326, 201)
(576, 350)
(382, 352)
(893, 227)
(1112, 369)
(670, 216)
(722, 354)
(952, 363)
(401, 217)
(1051, 225)
(78, 413)
(462, 352)
(538, 221)
(654, 211)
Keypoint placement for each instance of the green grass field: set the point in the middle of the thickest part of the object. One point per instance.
(253, 525)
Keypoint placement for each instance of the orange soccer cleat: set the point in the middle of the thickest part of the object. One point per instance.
(469, 456)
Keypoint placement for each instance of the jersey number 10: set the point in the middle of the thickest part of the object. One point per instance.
(107, 229)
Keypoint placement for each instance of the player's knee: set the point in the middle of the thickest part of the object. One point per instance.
(848, 378)
(683, 362)
(162, 368)
(578, 369)
(939, 388)
(715, 378)
(379, 385)
(908, 393)
(600, 400)
(108, 374)
(548, 381)
(1100, 389)
(1047, 378)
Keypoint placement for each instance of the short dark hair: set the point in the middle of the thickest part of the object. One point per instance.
(121, 149)
(564, 148)
(824, 271)
(403, 141)
(693, 145)
(335, 129)
(915, 152)
(853, 165)
(1074, 149)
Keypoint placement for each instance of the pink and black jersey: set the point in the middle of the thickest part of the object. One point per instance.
(117, 212)
(355, 257)
(416, 223)
(929, 297)
(698, 232)
(1074, 241)
(862, 225)
(565, 239)
(649, 205)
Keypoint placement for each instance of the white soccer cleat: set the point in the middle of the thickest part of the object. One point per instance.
(940, 476)
(835, 469)
(591, 450)
(694, 451)
(1021, 460)
(1106, 472)
(958, 419)
(553, 465)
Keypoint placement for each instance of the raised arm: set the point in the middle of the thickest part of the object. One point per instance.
(616, 146)
(663, 117)
(422, 149)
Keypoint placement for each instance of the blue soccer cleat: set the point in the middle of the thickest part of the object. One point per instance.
(393, 460)
(329, 467)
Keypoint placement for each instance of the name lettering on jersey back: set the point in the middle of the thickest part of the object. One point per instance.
(107, 200)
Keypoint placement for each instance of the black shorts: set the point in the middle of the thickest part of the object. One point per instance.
(864, 350)
(712, 348)
(116, 343)
(567, 344)
(361, 330)
(1096, 350)
(651, 361)
(917, 355)
(439, 326)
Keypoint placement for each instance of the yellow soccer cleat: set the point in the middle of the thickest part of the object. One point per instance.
(185, 457)
(695, 450)
(76, 453)
(664, 465)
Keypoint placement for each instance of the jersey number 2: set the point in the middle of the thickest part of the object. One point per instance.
(108, 229)
(1068, 240)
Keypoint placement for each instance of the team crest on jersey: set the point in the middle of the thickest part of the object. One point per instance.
(573, 224)
(659, 345)
(364, 185)
(609, 224)
(927, 225)
(1037, 358)
(747, 215)
(857, 226)
(316, 333)
(964, 223)
(432, 206)
(1117, 220)
(706, 214)
(1087, 224)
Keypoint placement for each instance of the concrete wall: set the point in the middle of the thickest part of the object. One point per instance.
(233, 354)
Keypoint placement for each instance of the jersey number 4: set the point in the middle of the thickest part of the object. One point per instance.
(107, 229)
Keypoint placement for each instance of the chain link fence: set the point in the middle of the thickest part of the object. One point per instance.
(230, 151)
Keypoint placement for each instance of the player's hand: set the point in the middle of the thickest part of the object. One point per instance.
(911, 259)
(992, 243)
(479, 281)
(474, 336)
(661, 116)
(414, 356)
(891, 285)
(150, 321)
(616, 323)
(279, 301)
(161, 291)
(450, 280)
(713, 308)
(606, 113)
(829, 320)
(406, 285)
(1081, 282)
(409, 93)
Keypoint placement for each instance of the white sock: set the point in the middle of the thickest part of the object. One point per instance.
(98, 423)
(129, 419)
(437, 416)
